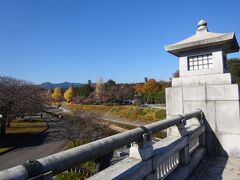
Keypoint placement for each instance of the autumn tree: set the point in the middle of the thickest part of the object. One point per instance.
(111, 91)
(47, 95)
(84, 90)
(18, 98)
(84, 126)
(57, 94)
(139, 88)
(99, 90)
(69, 94)
(109, 85)
(126, 92)
(150, 90)
(163, 85)
(160, 97)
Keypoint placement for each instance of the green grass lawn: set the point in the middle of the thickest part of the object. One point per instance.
(132, 113)
(4, 149)
(27, 126)
(18, 130)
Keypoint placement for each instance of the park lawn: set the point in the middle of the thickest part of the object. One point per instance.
(27, 126)
(23, 127)
(131, 112)
(4, 149)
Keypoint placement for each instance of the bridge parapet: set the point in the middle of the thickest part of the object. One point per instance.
(174, 157)
(146, 160)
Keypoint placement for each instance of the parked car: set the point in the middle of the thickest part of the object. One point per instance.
(144, 104)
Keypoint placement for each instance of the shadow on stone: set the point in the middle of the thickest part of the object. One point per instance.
(213, 165)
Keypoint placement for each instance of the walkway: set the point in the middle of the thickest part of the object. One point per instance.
(37, 146)
(219, 168)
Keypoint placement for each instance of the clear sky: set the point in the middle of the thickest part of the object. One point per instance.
(77, 40)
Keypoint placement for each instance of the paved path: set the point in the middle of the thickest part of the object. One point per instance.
(219, 168)
(21, 155)
(36, 147)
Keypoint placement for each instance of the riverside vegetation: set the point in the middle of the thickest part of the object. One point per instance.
(130, 112)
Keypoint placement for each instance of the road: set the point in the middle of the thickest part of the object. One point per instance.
(36, 147)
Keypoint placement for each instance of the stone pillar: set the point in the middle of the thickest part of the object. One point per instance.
(205, 84)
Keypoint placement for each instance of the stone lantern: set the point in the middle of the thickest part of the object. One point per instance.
(205, 84)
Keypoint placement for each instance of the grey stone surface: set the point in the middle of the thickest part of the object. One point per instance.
(217, 168)
(212, 79)
(227, 117)
(230, 144)
(174, 105)
(137, 152)
(194, 93)
(222, 92)
(126, 169)
(211, 115)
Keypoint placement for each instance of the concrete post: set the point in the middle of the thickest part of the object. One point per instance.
(184, 155)
(142, 150)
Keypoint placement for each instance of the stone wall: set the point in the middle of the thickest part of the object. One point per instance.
(218, 98)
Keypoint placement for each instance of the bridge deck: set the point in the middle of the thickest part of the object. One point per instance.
(218, 168)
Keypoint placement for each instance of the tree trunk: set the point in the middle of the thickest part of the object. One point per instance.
(3, 127)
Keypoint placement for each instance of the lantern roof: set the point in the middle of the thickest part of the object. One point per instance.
(202, 39)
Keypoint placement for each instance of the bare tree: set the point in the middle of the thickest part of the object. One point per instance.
(18, 98)
(84, 125)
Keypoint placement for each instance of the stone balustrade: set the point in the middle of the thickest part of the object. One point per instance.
(174, 156)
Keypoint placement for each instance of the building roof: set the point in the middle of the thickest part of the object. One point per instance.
(203, 38)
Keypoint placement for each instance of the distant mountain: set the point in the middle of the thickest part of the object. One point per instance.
(48, 85)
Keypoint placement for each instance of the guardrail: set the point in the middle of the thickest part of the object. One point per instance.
(141, 149)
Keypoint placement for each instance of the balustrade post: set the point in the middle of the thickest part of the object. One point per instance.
(142, 150)
(184, 154)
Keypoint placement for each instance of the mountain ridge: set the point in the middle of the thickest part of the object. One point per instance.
(49, 85)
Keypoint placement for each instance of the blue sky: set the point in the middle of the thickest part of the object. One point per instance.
(67, 40)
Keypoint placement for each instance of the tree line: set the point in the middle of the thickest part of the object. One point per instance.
(110, 92)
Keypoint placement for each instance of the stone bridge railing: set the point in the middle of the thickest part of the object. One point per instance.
(174, 156)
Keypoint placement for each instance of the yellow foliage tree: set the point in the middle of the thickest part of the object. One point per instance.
(150, 89)
(99, 88)
(150, 86)
(139, 88)
(57, 94)
(69, 94)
